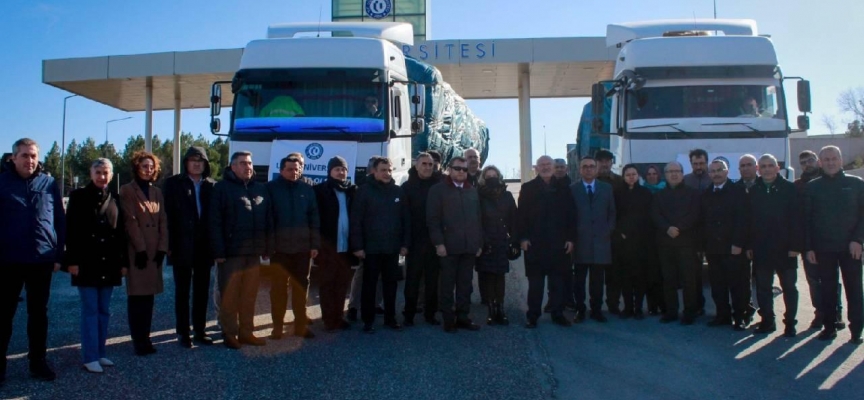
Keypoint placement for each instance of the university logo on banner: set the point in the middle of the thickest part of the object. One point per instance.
(378, 8)
(317, 155)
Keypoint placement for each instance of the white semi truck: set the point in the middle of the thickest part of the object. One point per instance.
(326, 89)
(681, 85)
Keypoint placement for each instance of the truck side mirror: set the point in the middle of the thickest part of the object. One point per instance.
(598, 103)
(418, 100)
(215, 125)
(803, 96)
(215, 100)
(803, 122)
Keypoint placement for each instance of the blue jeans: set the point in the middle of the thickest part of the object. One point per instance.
(95, 302)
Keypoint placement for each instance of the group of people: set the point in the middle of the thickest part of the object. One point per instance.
(634, 241)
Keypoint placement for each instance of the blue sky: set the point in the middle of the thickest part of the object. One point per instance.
(813, 40)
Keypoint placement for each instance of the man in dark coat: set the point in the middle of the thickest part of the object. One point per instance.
(834, 214)
(456, 231)
(594, 221)
(334, 197)
(561, 171)
(32, 239)
(380, 232)
(296, 240)
(748, 169)
(775, 242)
(675, 212)
(613, 273)
(421, 262)
(724, 216)
(545, 218)
(474, 164)
(240, 224)
(187, 203)
(810, 170)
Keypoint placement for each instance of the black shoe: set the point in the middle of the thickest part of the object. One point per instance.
(352, 315)
(638, 315)
(144, 349)
(790, 331)
(379, 311)
(598, 316)
(531, 323)
(687, 321)
(839, 325)
(393, 325)
(467, 325)
(490, 315)
(432, 320)
(202, 339)
(449, 327)
(185, 341)
(252, 341)
(40, 370)
(305, 334)
(827, 335)
(816, 324)
(232, 343)
(765, 327)
(368, 328)
(667, 318)
(579, 318)
(614, 310)
(701, 312)
(500, 316)
(856, 340)
(718, 321)
(562, 321)
(626, 314)
(547, 309)
(739, 326)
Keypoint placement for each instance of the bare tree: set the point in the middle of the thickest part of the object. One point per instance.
(852, 101)
(830, 123)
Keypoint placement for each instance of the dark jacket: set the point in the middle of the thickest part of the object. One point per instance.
(724, 219)
(776, 226)
(97, 244)
(498, 208)
(633, 208)
(294, 211)
(678, 207)
(546, 218)
(834, 212)
(617, 181)
(32, 221)
(416, 193)
(188, 237)
(594, 222)
(801, 183)
(328, 212)
(380, 223)
(240, 221)
(453, 217)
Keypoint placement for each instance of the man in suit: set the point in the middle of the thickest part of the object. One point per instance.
(594, 220)
(187, 203)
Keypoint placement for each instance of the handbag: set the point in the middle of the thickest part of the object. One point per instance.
(514, 251)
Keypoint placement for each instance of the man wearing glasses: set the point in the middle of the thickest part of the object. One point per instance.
(453, 216)
(676, 216)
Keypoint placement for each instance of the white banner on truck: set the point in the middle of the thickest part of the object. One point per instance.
(316, 154)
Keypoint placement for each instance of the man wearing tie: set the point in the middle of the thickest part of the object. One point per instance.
(595, 220)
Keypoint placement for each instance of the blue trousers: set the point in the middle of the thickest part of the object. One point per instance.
(95, 312)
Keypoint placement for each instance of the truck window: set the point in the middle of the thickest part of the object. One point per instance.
(709, 101)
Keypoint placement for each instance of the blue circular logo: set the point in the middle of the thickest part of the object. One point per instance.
(314, 151)
(378, 8)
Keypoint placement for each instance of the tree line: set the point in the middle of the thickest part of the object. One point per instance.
(79, 157)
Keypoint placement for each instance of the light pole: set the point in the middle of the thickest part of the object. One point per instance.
(63, 150)
(106, 132)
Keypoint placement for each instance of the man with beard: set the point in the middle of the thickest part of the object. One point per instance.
(422, 262)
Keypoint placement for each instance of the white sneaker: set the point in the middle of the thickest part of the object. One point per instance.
(94, 367)
(106, 362)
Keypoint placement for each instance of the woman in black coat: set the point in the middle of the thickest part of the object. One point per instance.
(96, 257)
(633, 238)
(498, 210)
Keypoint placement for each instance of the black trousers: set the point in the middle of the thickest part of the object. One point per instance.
(787, 270)
(194, 278)
(492, 286)
(814, 282)
(730, 281)
(387, 267)
(457, 274)
(335, 279)
(613, 276)
(850, 270)
(140, 309)
(654, 282)
(293, 269)
(422, 266)
(633, 281)
(536, 287)
(37, 279)
(594, 274)
(681, 268)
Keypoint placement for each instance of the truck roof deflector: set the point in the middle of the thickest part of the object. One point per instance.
(398, 32)
(622, 33)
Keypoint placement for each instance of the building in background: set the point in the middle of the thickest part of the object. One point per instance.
(414, 12)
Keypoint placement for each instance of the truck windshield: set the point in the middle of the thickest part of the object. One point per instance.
(707, 101)
(310, 101)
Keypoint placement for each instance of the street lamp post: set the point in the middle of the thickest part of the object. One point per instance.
(63, 150)
(105, 149)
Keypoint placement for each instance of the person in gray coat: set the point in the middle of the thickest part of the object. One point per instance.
(456, 231)
(595, 221)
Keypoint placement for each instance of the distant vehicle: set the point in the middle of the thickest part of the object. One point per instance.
(680, 85)
(350, 92)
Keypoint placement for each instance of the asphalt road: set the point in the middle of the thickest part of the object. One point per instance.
(619, 359)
